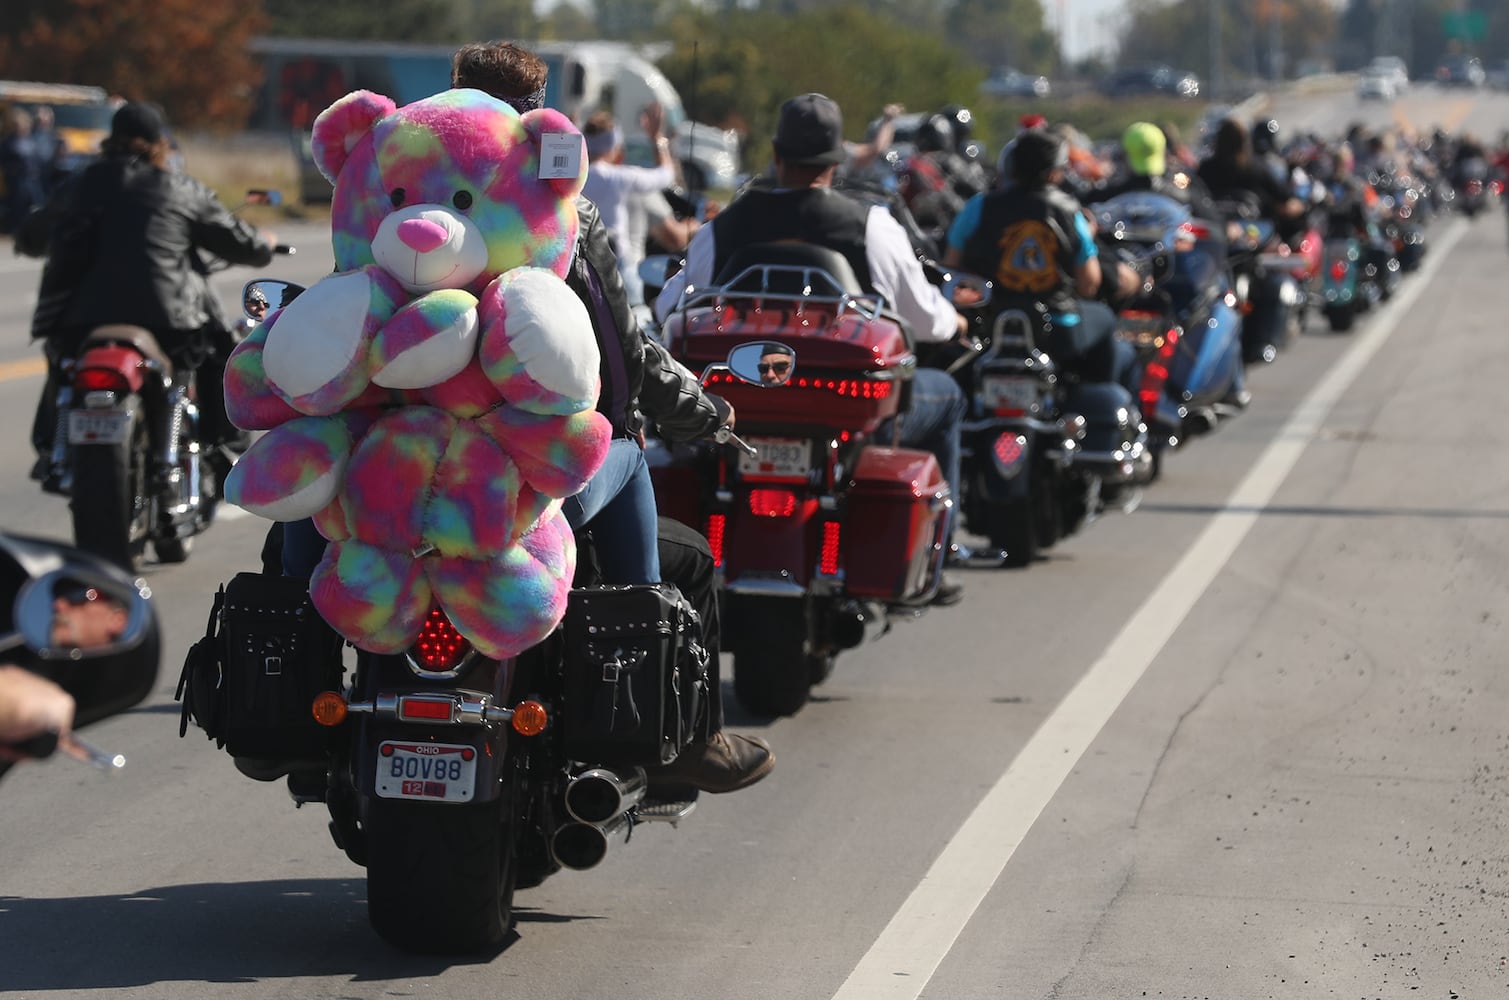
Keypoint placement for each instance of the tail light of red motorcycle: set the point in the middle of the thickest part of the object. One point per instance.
(101, 380)
(772, 503)
(827, 563)
(852, 388)
(1155, 375)
(717, 529)
(439, 647)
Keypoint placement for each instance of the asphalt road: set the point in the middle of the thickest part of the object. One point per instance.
(1245, 742)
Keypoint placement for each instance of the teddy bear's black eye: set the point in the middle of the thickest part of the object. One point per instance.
(396, 197)
(463, 200)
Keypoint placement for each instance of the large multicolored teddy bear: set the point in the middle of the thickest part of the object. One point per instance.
(432, 402)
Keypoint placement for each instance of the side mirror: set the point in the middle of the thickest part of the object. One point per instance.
(262, 196)
(89, 626)
(657, 269)
(966, 291)
(763, 362)
(72, 614)
(264, 295)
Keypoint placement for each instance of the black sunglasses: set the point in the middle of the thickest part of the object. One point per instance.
(779, 367)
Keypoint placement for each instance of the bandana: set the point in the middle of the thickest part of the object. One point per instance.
(528, 102)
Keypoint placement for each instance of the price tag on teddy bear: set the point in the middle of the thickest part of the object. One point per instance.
(560, 155)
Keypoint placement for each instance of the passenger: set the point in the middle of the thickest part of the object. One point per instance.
(803, 205)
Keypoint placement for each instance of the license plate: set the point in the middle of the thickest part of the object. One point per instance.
(1010, 392)
(778, 458)
(98, 426)
(429, 772)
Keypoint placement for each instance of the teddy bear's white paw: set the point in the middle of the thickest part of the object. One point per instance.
(319, 336)
(550, 333)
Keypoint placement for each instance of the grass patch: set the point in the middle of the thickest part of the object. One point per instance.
(233, 165)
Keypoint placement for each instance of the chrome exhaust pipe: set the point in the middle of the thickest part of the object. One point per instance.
(580, 846)
(600, 795)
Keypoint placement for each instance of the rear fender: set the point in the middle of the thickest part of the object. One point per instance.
(766, 552)
(125, 361)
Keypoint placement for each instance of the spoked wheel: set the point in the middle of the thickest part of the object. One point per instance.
(772, 673)
(440, 878)
(112, 513)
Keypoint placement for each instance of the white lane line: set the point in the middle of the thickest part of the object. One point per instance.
(904, 958)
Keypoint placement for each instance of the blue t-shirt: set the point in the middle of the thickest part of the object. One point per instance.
(968, 220)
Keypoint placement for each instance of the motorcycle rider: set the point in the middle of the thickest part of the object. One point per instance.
(640, 379)
(122, 240)
(803, 205)
(1034, 240)
(1232, 174)
(1145, 148)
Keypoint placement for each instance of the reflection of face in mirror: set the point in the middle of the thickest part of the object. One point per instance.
(775, 365)
(255, 303)
(85, 618)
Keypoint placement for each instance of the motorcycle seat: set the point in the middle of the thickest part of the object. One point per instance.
(132, 336)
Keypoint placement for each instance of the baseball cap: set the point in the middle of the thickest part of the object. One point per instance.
(810, 131)
(136, 120)
(1145, 147)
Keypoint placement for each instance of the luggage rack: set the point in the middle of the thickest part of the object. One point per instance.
(796, 283)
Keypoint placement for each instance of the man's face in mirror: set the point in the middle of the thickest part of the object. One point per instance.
(84, 618)
(775, 369)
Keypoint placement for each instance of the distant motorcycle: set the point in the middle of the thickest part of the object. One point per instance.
(126, 447)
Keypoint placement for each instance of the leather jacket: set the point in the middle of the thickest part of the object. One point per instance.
(640, 379)
(124, 241)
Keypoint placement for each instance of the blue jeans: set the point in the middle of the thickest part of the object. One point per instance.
(618, 505)
(932, 424)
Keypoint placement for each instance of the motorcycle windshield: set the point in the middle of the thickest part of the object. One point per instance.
(1140, 214)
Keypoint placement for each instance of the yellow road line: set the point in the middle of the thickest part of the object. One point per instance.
(22, 369)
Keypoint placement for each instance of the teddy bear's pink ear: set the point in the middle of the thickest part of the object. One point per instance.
(548, 121)
(341, 126)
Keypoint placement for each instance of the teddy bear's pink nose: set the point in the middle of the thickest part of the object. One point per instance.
(422, 235)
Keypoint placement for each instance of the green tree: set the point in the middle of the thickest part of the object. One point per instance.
(736, 68)
(1004, 33)
(1179, 32)
(190, 56)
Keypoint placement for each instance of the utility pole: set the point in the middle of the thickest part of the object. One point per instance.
(1216, 85)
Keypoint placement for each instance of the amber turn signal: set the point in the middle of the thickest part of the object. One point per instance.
(529, 718)
(329, 708)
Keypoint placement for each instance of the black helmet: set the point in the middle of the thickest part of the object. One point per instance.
(962, 119)
(934, 133)
(1265, 136)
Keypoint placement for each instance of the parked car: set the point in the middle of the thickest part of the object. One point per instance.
(1461, 71)
(1377, 85)
(1155, 79)
(1014, 83)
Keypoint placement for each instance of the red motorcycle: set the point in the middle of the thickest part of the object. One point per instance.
(821, 528)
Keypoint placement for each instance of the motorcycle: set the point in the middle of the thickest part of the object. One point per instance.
(452, 778)
(84, 624)
(1186, 330)
(823, 529)
(1043, 452)
(1264, 280)
(126, 449)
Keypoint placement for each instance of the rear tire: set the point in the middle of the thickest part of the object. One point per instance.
(440, 878)
(1014, 528)
(772, 674)
(1341, 319)
(112, 515)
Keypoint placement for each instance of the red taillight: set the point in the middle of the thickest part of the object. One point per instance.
(850, 388)
(1497, 187)
(716, 525)
(422, 709)
(100, 380)
(1155, 375)
(832, 538)
(439, 646)
(1339, 270)
(1008, 448)
(772, 503)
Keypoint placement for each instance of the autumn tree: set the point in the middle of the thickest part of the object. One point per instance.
(190, 56)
